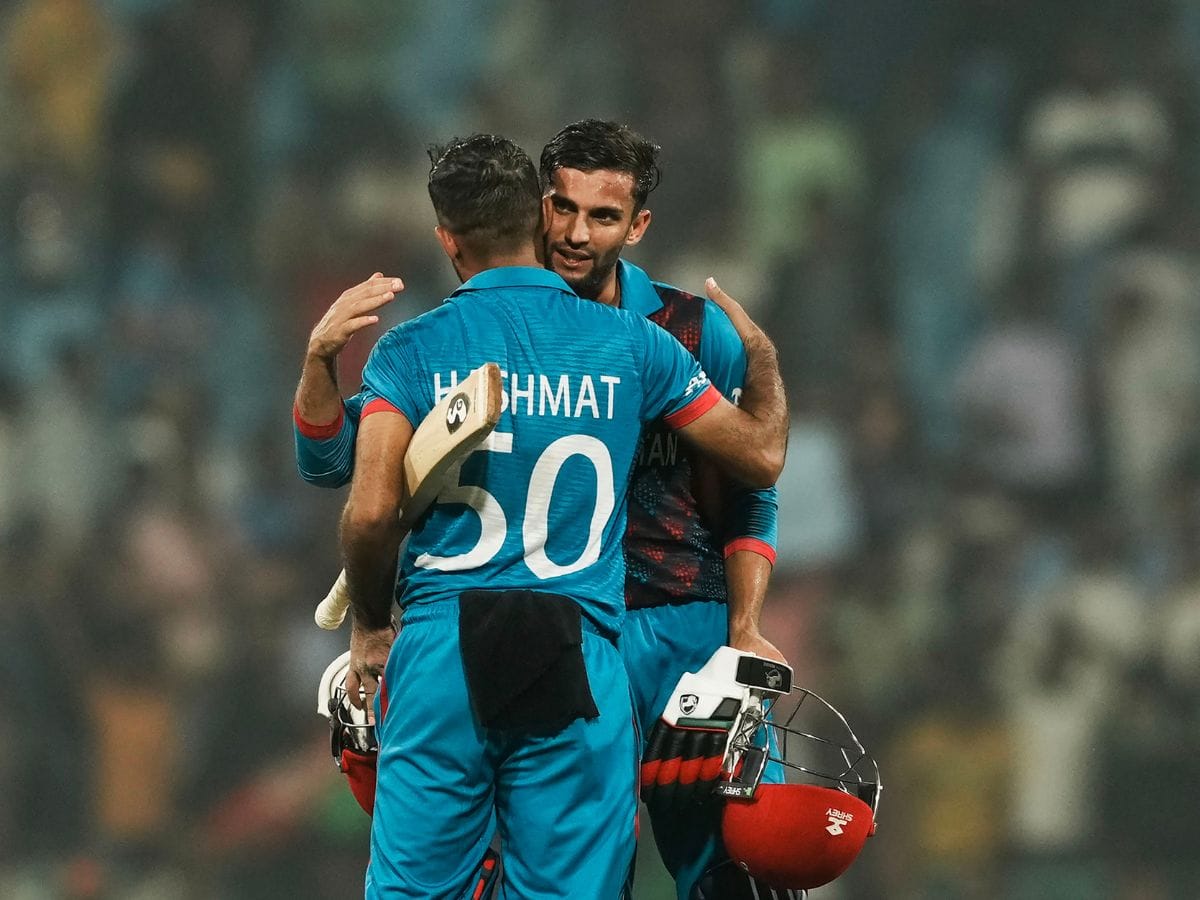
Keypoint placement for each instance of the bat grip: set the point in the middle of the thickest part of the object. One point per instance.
(332, 610)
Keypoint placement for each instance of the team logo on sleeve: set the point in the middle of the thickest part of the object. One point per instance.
(457, 412)
(698, 381)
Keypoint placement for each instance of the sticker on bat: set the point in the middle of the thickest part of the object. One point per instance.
(456, 414)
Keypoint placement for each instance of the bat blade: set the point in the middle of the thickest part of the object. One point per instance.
(451, 430)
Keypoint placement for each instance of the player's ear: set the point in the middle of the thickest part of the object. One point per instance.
(448, 242)
(640, 223)
(547, 212)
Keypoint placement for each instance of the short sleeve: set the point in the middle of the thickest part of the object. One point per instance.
(389, 375)
(676, 387)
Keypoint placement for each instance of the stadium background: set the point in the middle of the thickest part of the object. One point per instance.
(970, 226)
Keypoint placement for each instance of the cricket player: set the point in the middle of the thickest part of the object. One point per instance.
(699, 551)
(505, 691)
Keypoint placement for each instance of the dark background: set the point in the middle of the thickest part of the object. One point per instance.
(970, 226)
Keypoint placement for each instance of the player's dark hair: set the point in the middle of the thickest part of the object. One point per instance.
(592, 144)
(485, 190)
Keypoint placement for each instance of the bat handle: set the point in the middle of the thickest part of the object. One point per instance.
(332, 610)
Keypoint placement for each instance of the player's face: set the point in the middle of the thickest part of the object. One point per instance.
(589, 221)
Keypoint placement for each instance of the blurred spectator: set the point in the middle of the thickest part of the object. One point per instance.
(795, 148)
(1152, 733)
(178, 185)
(58, 61)
(1066, 655)
(68, 455)
(11, 414)
(817, 305)
(819, 517)
(939, 220)
(1021, 396)
(1149, 381)
(950, 765)
(1146, 757)
(1096, 143)
(893, 486)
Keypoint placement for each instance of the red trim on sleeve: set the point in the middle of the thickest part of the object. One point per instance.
(377, 405)
(754, 545)
(695, 409)
(318, 432)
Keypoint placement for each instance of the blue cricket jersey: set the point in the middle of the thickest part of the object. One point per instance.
(542, 504)
(681, 526)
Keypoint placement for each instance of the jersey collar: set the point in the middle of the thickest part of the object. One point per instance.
(511, 277)
(637, 291)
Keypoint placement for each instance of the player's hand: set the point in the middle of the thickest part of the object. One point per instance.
(742, 323)
(353, 311)
(369, 648)
(749, 640)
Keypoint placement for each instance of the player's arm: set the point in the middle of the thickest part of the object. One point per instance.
(746, 524)
(676, 388)
(324, 432)
(757, 429)
(746, 447)
(749, 517)
(371, 534)
(747, 574)
(750, 538)
(325, 454)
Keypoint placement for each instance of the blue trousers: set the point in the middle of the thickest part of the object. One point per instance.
(564, 802)
(659, 644)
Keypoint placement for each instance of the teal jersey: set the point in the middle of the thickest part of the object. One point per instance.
(541, 505)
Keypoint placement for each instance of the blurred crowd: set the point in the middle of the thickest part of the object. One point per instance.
(972, 228)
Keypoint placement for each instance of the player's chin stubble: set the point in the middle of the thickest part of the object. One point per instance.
(590, 284)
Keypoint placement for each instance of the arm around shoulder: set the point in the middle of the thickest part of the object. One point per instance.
(757, 429)
(748, 447)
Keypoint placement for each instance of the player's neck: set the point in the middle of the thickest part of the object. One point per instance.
(473, 267)
(610, 294)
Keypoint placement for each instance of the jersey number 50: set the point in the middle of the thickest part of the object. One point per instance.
(536, 523)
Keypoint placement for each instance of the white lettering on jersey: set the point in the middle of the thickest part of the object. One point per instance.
(563, 395)
(518, 394)
(560, 396)
(697, 381)
(587, 397)
(439, 392)
(612, 381)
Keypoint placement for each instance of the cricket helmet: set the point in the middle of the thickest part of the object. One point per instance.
(806, 822)
(352, 738)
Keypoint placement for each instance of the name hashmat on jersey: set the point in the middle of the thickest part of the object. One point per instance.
(570, 396)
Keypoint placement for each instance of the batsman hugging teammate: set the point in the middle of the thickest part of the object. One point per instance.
(695, 577)
(531, 583)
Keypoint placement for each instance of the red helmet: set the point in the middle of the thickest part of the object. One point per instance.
(809, 826)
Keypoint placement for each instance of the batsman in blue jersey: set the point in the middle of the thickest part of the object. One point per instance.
(504, 697)
(698, 551)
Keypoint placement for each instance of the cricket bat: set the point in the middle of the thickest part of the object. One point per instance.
(452, 429)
